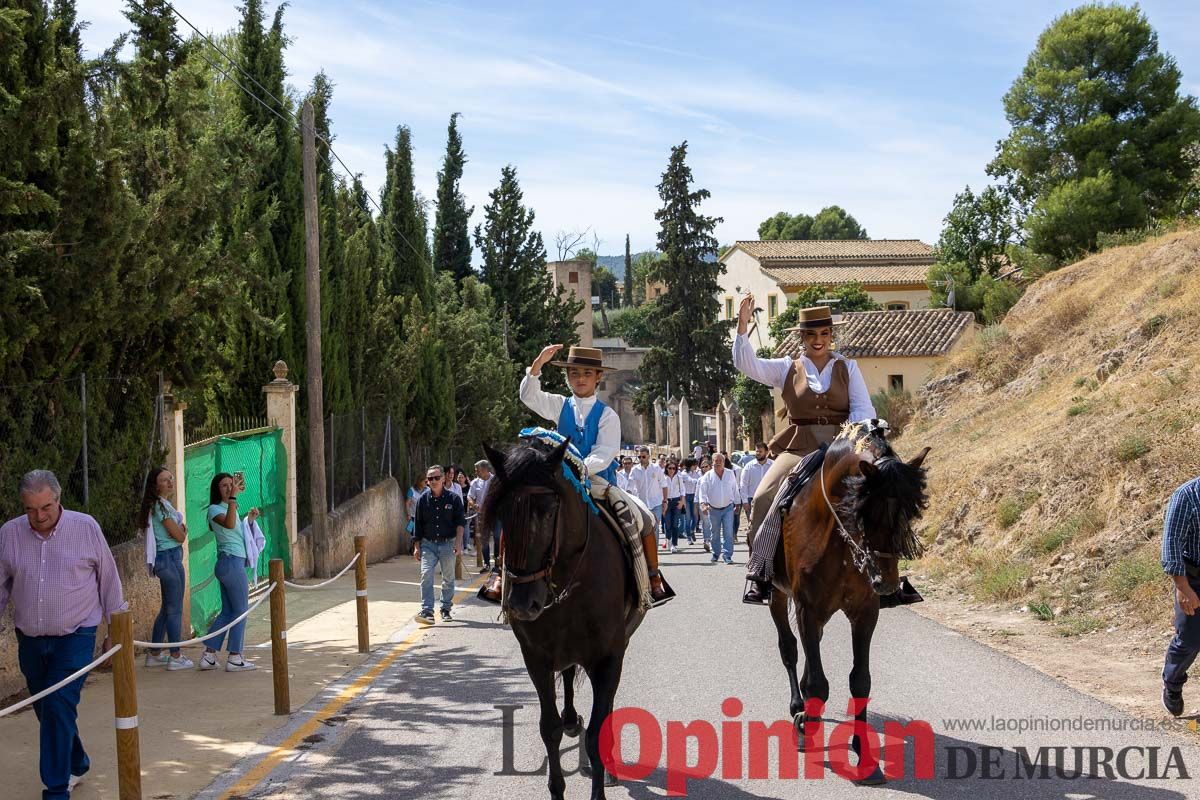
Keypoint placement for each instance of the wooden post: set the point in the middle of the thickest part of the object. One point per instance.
(279, 661)
(360, 594)
(316, 406)
(129, 757)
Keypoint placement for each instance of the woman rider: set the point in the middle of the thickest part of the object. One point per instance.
(821, 391)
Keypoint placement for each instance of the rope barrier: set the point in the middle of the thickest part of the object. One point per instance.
(291, 585)
(199, 639)
(31, 700)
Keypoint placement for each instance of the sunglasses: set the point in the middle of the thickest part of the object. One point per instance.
(433, 477)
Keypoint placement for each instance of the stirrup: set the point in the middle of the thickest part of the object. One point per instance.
(758, 593)
(668, 592)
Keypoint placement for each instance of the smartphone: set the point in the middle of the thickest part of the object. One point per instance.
(239, 480)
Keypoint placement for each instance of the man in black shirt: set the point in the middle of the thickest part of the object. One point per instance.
(437, 533)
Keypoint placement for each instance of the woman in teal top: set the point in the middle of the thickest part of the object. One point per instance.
(169, 532)
(230, 572)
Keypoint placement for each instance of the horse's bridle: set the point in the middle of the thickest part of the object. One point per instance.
(546, 572)
(864, 559)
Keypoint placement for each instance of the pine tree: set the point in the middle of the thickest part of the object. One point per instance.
(693, 351)
(451, 229)
(514, 268)
(628, 274)
(403, 228)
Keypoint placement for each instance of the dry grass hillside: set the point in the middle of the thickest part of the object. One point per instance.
(1059, 436)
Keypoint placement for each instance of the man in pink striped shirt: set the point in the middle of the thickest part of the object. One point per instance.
(60, 575)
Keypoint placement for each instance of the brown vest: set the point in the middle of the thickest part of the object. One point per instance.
(814, 419)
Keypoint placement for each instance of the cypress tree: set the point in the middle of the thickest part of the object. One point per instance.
(361, 263)
(628, 273)
(693, 348)
(451, 234)
(402, 227)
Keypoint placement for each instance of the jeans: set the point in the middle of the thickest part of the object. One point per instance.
(721, 520)
(235, 599)
(433, 554)
(491, 543)
(46, 660)
(676, 520)
(1184, 646)
(168, 566)
(693, 522)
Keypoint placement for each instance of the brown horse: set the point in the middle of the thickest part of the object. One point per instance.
(570, 594)
(842, 540)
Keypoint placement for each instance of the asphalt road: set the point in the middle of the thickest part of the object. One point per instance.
(429, 726)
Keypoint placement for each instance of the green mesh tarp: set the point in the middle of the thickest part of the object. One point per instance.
(263, 461)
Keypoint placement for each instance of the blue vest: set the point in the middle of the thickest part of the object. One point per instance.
(585, 439)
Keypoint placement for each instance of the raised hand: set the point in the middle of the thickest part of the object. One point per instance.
(745, 311)
(544, 358)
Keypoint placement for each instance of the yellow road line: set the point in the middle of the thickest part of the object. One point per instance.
(265, 767)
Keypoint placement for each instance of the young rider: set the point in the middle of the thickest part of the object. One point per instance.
(595, 430)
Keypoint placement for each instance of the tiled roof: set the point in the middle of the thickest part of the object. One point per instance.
(883, 334)
(875, 274)
(839, 250)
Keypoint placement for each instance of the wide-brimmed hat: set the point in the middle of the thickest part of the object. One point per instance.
(589, 357)
(817, 317)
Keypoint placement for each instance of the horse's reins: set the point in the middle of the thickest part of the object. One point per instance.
(864, 559)
(546, 571)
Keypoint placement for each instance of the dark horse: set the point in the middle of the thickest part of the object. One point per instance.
(569, 594)
(844, 561)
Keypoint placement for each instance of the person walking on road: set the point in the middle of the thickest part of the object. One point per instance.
(1181, 560)
(719, 495)
(59, 573)
(440, 519)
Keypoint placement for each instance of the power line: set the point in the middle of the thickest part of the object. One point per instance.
(290, 118)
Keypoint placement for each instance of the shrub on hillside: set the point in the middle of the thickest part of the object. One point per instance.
(896, 406)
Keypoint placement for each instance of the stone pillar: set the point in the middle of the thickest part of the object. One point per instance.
(659, 423)
(672, 429)
(720, 415)
(729, 425)
(173, 441)
(685, 427)
(281, 413)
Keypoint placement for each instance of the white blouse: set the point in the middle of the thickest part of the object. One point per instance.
(774, 371)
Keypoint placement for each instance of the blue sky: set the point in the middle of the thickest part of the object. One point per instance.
(885, 108)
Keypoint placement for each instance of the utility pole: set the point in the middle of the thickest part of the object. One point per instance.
(316, 405)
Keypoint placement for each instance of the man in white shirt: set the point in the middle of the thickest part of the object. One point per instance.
(718, 494)
(697, 450)
(597, 436)
(752, 475)
(623, 473)
(647, 484)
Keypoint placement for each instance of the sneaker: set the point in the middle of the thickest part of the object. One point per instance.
(674, 550)
(446, 615)
(729, 562)
(713, 560)
(707, 549)
(240, 665)
(73, 782)
(426, 616)
(1172, 700)
(183, 662)
(159, 660)
(208, 661)
(486, 569)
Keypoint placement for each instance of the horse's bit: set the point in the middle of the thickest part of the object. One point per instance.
(864, 559)
(545, 573)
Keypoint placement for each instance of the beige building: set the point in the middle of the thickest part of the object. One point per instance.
(894, 349)
(892, 271)
(576, 276)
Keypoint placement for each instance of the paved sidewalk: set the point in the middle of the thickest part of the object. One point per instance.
(196, 725)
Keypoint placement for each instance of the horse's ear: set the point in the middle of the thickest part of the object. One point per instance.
(867, 469)
(559, 453)
(920, 459)
(497, 459)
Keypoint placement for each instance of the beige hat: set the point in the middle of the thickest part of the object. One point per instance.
(817, 317)
(589, 357)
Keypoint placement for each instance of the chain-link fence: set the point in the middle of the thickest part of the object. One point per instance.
(99, 435)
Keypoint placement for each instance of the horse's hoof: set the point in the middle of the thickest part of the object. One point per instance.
(876, 778)
(573, 730)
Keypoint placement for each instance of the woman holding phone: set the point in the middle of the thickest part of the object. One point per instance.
(233, 559)
(166, 532)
